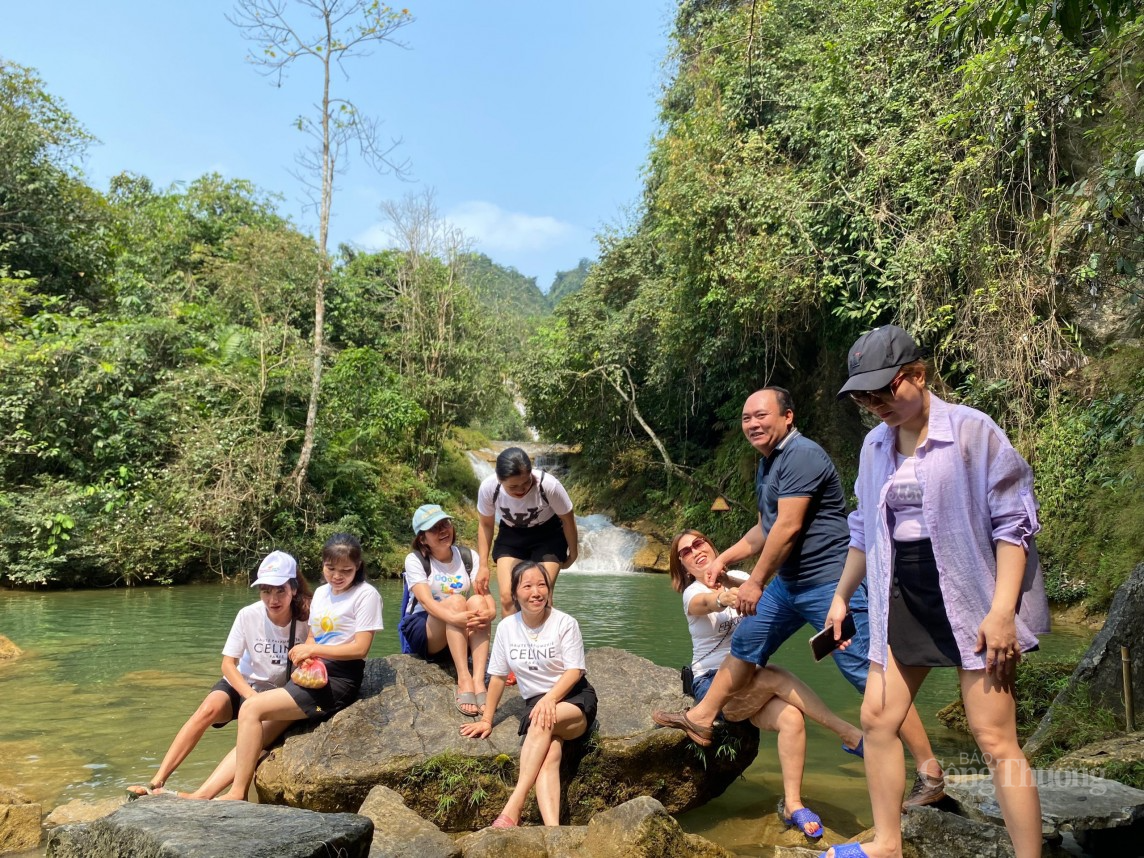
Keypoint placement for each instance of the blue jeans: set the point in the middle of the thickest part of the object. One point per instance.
(782, 611)
(700, 684)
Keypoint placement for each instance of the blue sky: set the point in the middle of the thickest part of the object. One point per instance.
(531, 121)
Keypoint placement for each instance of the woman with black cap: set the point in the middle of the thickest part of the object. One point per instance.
(944, 533)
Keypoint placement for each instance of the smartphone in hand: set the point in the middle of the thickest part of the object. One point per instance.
(823, 643)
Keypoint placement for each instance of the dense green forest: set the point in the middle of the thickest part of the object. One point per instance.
(971, 171)
(154, 347)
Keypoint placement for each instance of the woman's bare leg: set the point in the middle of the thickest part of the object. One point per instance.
(889, 696)
(786, 720)
(223, 774)
(478, 645)
(570, 723)
(991, 710)
(504, 585)
(276, 705)
(797, 693)
(215, 709)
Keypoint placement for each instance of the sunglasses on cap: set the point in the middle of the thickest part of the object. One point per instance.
(687, 550)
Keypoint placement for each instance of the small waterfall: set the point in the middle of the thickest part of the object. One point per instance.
(603, 546)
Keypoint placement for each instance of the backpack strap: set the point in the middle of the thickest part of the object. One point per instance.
(543, 493)
(466, 558)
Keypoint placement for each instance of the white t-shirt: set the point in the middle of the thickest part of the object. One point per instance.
(336, 619)
(710, 633)
(444, 579)
(528, 511)
(261, 647)
(538, 657)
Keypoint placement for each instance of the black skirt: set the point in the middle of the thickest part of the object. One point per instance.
(582, 696)
(919, 631)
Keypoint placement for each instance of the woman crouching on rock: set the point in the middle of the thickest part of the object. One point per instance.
(344, 614)
(544, 648)
(775, 700)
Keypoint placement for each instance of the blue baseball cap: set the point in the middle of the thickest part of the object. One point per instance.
(427, 516)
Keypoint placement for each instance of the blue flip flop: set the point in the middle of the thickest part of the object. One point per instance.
(801, 818)
(858, 751)
(847, 850)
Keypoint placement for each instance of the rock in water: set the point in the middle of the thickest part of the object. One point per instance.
(19, 821)
(404, 735)
(1100, 668)
(640, 828)
(931, 833)
(1101, 814)
(9, 650)
(166, 827)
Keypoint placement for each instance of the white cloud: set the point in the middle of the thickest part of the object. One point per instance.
(500, 231)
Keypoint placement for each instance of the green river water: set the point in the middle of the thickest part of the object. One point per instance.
(107, 677)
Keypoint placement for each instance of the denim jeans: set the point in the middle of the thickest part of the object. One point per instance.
(782, 611)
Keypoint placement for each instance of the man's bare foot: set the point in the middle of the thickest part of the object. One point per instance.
(229, 796)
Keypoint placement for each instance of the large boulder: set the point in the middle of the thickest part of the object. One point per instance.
(166, 827)
(1109, 758)
(640, 828)
(19, 821)
(79, 810)
(931, 833)
(1100, 670)
(398, 831)
(404, 734)
(1100, 813)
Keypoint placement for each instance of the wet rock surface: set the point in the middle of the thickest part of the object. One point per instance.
(1101, 814)
(404, 734)
(166, 827)
(19, 821)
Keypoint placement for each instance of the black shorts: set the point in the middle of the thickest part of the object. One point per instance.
(544, 543)
(323, 703)
(235, 700)
(582, 696)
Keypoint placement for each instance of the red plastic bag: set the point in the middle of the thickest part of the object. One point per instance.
(310, 673)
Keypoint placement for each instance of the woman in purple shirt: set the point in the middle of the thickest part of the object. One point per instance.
(944, 533)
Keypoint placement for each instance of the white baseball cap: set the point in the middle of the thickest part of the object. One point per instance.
(276, 569)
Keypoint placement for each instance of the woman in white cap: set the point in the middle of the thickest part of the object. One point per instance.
(444, 615)
(254, 659)
(944, 533)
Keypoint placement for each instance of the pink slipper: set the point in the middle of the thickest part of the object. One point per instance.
(504, 821)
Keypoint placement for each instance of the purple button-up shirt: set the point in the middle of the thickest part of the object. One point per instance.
(976, 490)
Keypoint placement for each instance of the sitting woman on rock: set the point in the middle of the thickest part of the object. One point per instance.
(253, 660)
(544, 648)
(776, 699)
(344, 614)
(444, 613)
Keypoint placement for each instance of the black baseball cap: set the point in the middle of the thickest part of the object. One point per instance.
(876, 357)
